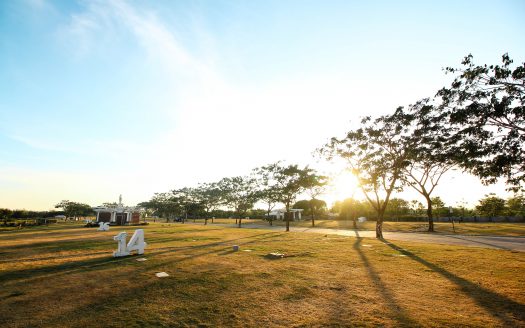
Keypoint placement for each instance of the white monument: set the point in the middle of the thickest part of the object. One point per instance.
(103, 226)
(136, 243)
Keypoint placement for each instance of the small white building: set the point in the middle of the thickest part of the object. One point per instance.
(118, 215)
(279, 214)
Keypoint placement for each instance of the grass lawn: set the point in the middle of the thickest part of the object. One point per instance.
(64, 276)
(495, 229)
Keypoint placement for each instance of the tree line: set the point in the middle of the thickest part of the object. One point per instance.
(489, 206)
(270, 185)
(477, 124)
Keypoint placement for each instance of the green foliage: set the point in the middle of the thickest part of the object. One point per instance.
(239, 193)
(397, 207)
(267, 185)
(317, 205)
(73, 209)
(377, 155)
(484, 109)
(491, 206)
(516, 205)
(351, 209)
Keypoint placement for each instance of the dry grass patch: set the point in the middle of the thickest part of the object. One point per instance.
(67, 277)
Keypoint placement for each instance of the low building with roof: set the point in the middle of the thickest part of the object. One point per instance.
(295, 213)
(118, 214)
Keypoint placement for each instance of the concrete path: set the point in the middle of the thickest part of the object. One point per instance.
(495, 242)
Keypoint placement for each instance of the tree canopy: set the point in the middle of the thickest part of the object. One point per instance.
(484, 110)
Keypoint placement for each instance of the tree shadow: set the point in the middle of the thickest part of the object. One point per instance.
(60, 269)
(99, 262)
(481, 243)
(501, 307)
(401, 316)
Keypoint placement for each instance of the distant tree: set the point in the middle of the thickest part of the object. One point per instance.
(315, 185)
(416, 206)
(516, 205)
(318, 206)
(304, 205)
(5, 214)
(290, 181)
(439, 206)
(397, 207)
(484, 108)
(376, 155)
(185, 200)
(210, 197)
(74, 209)
(240, 193)
(352, 209)
(267, 187)
(491, 206)
(110, 204)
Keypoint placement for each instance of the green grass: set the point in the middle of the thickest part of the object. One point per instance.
(64, 276)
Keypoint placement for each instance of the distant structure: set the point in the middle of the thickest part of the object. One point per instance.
(279, 214)
(118, 215)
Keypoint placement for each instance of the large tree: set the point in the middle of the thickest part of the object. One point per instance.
(240, 193)
(376, 155)
(163, 204)
(484, 108)
(74, 209)
(210, 197)
(267, 187)
(491, 206)
(315, 185)
(187, 201)
(291, 181)
(427, 156)
(516, 205)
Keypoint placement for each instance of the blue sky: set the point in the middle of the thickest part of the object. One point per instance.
(99, 98)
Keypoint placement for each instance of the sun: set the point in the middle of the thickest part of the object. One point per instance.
(344, 185)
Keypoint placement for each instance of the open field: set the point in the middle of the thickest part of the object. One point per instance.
(64, 275)
(494, 229)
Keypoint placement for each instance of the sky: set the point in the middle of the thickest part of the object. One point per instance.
(101, 98)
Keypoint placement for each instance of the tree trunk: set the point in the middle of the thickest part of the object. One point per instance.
(429, 214)
(379, 226)
(240, 220)
(313, 218)
(205, 221)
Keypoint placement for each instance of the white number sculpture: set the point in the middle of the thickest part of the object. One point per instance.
(136, 243)
(103, 226)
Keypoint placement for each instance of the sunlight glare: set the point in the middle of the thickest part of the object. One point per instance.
(345, 185)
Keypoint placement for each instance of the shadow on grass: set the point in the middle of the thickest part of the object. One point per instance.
(400, 315)
(503, 308)
(60, 269)
(480, 242)
(99, 262)
(222, 251)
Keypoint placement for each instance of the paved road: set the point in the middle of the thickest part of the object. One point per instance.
(496, 242)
